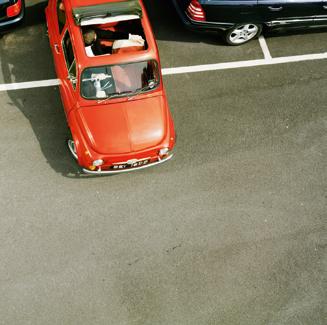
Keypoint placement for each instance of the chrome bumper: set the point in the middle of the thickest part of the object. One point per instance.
(111, 172)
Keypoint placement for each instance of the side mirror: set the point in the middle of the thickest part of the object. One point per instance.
(72, 74)
(73, 80)
(151, 83)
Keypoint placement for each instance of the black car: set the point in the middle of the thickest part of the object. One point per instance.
(243, 20)
(11, 12)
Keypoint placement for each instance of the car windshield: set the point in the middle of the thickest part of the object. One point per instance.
(121, 80)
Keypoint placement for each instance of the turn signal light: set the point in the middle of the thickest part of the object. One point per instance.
(163, 152)
(195, 11)
(14, 10)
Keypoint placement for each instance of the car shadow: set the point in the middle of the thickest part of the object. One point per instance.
(281, 32)
(26, 56)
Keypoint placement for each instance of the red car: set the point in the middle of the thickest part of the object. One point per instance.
(107, 61)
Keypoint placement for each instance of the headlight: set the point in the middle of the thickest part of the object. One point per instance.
(97, 163)
(163, 151)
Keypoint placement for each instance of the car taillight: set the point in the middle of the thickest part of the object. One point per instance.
(14, 10)
(195, 11)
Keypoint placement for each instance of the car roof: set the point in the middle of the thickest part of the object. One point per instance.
(84, 61)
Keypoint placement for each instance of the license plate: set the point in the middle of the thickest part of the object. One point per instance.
(131, 164)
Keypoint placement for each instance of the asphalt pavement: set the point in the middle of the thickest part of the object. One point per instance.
(231, 231)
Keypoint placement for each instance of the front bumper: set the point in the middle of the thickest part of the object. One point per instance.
(112, 172)
(200, 26)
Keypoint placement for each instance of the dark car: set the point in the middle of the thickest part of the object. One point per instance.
(11, 12)
(243, 20)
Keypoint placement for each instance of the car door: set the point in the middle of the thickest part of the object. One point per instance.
(62, 50)
(231, 11)
(67, 71)
(321, 18)
(289, 13)
(56, 21)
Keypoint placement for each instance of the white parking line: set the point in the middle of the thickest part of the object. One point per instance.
(243, 64)
(264, 48)
(29, 84)
(186, 69)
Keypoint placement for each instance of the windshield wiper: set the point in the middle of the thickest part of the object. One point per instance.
(114, 95)
(133, 94)
(140, 90)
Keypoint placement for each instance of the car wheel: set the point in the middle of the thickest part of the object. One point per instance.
(243, 33)
(72, 148)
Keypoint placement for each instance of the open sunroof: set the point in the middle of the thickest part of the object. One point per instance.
(129, 9)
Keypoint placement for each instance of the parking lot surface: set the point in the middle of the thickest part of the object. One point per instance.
(231, 231)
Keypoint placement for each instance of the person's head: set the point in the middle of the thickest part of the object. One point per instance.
(61, 6)
(89, 36)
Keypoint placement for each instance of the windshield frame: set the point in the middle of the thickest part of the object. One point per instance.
(124, 94)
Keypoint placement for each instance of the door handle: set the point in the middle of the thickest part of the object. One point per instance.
(57, 48)
(271, 8)
(325, 6)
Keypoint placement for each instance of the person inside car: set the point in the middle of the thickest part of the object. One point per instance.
(92, 39)
(61, 14)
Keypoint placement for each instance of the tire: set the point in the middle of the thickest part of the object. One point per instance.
(242, 33)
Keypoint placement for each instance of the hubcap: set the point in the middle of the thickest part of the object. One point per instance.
(243, 33)
(72, 148)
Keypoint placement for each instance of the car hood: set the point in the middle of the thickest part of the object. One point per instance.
(124, 127)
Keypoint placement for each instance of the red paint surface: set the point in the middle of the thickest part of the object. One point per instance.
(116, 129)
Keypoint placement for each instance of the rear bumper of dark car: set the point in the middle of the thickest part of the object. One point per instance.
(6, 23)
(199, 26)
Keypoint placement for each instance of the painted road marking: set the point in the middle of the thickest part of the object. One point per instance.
(264, 48)
(244, 64)
(186, 69)
(29, 84)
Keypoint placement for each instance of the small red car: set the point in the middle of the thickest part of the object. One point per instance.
(107, 61)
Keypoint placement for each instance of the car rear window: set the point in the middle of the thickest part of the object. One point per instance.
(107, 10)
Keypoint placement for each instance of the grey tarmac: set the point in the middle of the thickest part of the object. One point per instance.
(231, 231)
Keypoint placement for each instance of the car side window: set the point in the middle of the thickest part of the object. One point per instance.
(70, 58)
(61, 15)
